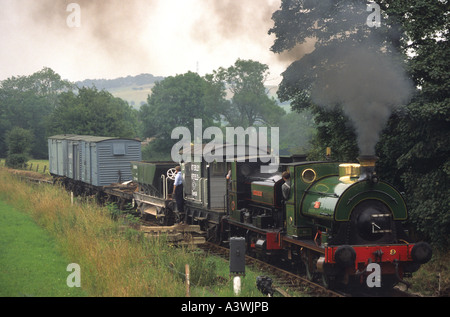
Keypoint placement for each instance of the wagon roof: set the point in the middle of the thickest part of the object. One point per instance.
(87, 138)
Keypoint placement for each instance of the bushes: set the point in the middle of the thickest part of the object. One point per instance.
(19, 145)
(16, 160)
(414, 157)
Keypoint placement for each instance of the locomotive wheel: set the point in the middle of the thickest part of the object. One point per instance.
(328, 280)
(213, 234)
(161, 218)
(310, 260)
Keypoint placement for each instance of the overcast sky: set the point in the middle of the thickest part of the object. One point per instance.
(119, 38)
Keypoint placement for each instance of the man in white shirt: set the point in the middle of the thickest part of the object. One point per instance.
(178, 189)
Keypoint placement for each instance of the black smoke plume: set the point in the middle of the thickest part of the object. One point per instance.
(368, 85)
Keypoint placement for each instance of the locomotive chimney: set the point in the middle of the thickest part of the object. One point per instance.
(367, 168)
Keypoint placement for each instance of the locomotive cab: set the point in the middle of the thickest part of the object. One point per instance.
(256, 198)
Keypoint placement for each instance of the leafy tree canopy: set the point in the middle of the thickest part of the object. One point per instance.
(25, 102)
(413, 35)
(250, 105)
(175, 102)
(92, 112)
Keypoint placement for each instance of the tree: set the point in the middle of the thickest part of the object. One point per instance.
(26, 102)
(335, 131)
(175, 102)
(296, 132)
(414, 146)
(250, 105)
(19, 144)
(45, 83)
(353, 68)
(92, 112)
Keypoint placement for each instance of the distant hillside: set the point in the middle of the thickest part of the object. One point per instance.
(133, 89)
(107, 84)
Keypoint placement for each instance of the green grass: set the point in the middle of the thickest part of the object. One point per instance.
(38, 166)
(136, 94)
(38, 221)
(433, 278)
(30, 264)
(33, 165)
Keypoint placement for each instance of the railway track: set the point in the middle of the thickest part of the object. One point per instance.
(31, 177)
(176, 234)
(287, 283)
(284, 282)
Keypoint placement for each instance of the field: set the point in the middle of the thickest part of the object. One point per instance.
(134, 95)
(39, 166)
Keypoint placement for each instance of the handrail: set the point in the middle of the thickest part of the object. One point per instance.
(164, 186)
(205, 191)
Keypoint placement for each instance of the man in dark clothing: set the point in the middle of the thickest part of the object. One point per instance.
(286, 187)
(286, 191)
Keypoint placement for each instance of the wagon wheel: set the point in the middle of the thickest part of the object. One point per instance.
(171, 173)
(176, 217)
(161, 217)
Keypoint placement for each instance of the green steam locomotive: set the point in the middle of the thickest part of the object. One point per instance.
(337, 222)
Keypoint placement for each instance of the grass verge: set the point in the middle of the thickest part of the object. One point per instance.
(433, 278)
(30, 264)
(115, 260)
